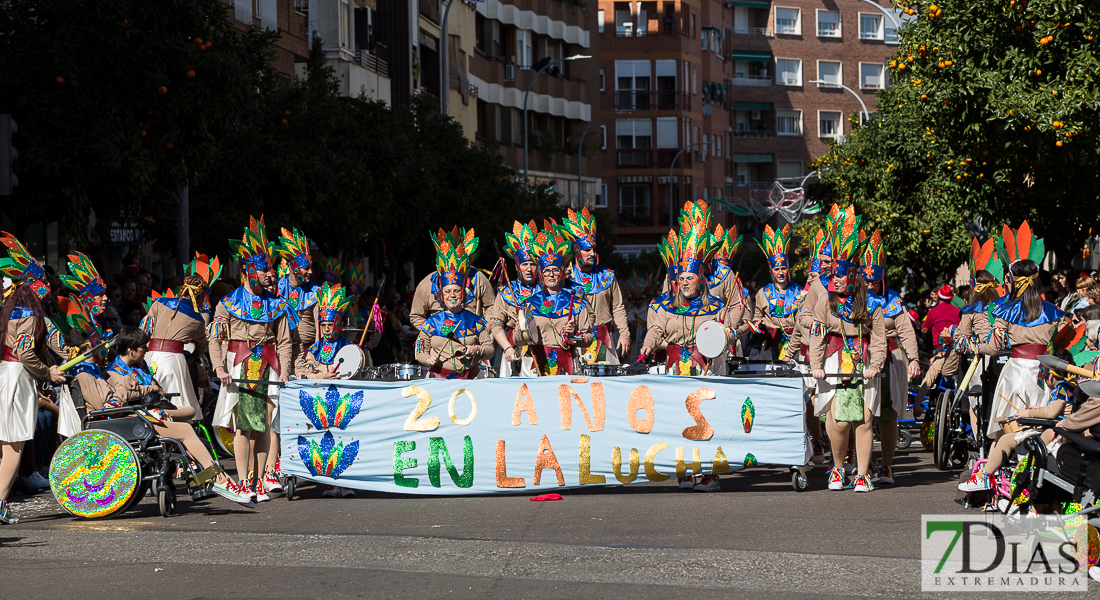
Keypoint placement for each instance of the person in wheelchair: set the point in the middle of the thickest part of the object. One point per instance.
(126, 383)
(1060, 405)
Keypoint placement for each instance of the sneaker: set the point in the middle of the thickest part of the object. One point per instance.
(258, 493)
(862, 483)
(1094, 572)
(5, 514)
(709, 483)
(686, 483)
(836, 478)
(819, 454)
(271, 483)
(36, 481)
(330, 491)
(346, 492)
(886, 475)
(232, 492)
(978, 482)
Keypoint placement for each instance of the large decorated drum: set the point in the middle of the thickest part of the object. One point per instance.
(94, 474)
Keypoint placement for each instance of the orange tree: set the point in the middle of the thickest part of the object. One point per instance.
(991, 112)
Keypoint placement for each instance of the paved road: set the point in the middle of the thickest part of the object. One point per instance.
(756, 539)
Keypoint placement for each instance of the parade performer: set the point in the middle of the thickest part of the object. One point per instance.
(562, 318)
(901, 347)
(332, 270)
(507, 313)
(318, 360)
(601, 291)
(679, 315)
(479, 292)
(298, 289)
(85, 280)
(778, 302)
(848, 336)
(453, 342)
(250, 338)
(1023, 323)
(173, 322)
(23, 331)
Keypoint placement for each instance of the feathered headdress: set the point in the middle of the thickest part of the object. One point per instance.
(552, 246)
(518, 244)
(694, 246)
(820, 246)
(357, 279)
(85, 280)
(253, 250)
(203, 266)
(452, 262)
(294, 247)
(581, 227)
(985, 257)
(1020, 245)
(79, 316)
(847, 248)
(332, 302)
(874, 253)
(728, 243)
(775, 245)
(333, 269)
(21, 266)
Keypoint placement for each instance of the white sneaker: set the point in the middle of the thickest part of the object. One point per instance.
(271, 483)
(259, 495)
(1094, 572)
(330, 491)
(686, 483)
(233, 492)
(346, 492)
(836, 478)
(979, 481)
(863, 483)
(36, 481)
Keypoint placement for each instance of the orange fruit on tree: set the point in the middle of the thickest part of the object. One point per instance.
(162, 90)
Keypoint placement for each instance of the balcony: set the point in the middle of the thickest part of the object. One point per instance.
(754, 133)
(740, 79)
(760, 31)
(635, 158)
(651, 100)
(664, 158)
(637, 217)
(753, 185)
(372, 62)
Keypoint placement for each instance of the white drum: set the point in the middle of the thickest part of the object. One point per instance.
(349, 362)
(712, 339)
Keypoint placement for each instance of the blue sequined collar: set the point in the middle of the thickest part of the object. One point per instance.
(325, 351)
(21, 312)
(893, 305)
(184, 305)
(718, 275)
(461, 324)
(595, 282)
(298, 297)
(556, 306)
(782, 304)
(256, 309)
(694, 308)
(1013, 312)
(140, 371)
(516, 293)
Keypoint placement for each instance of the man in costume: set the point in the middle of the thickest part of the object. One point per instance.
(779, 301)
(453, 342)
(317, 362)
(171, 323)
(298, 289)
(85, 280)
(479, 292)
(507, 314)
(602, 292)
(724, 284)
(562, 320)
(250, 342)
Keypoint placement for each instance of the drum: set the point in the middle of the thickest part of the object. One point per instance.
(371, 374)
(636, 369)
(403, 372)
(95, 474)
(349, 361)
(598, 370)
(712, 339)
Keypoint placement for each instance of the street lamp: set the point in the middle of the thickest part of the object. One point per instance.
(532, 82)
(866, 116)
(580, 149)
(671, 207)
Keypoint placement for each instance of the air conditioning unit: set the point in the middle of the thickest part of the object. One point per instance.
(755, 115)
(509, 71)
(701, 156)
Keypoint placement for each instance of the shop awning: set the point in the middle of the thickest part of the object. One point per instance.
(751, 55)
(752, 158)
(751, 105)
(752, 3)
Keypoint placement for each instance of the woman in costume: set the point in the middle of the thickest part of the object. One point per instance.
(23, 334)
(1023, 323)
(250, 338)
(453, 342)
(562, 318)
(778, 302)
(848, 336)
(507, 314)
(901, 347)
(172, 323)
(479, 292)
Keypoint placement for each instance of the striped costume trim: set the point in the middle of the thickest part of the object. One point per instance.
(24, 341)
(818, 329)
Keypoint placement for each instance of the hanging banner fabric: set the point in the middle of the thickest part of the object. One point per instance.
(515, 435)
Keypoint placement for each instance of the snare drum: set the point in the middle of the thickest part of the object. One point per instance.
(598, 370)
(712, 339)
(403, 372)
(348, 362)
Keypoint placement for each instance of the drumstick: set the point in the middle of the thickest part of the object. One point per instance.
(1009, 402)
(337, 367)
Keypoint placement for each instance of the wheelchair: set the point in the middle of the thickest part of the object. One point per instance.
(1072, 475)
(956, 444)
(108, 467)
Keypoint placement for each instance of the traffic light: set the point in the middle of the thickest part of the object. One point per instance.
(8, 180)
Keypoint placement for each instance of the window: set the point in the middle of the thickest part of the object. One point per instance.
(789, 169)
(788, 71)
(704, 37)
(599, 20)
(632, 84)
(666, 133)
(706, 194)
(603, 83)
(694, 83)
(788, 21)
(269, 16)
(523, 48)
(666, 84)
(830, 125)
(634, 201)
(718, 142)
(870, 26)
(789, 122)
(601, 198)
(891, 34)
(242, 11)
(517, 127)
(871, 76)
(693, 25)
(706, 145)
(603, 137)
(828, 23)
(635, 138)
(829, 72)
(624, 20)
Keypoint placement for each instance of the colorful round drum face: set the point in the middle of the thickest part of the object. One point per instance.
(94, 473)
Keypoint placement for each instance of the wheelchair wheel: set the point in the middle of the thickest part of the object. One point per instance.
(96, 474)
(905, 439)
(943, 432)
(166, 501)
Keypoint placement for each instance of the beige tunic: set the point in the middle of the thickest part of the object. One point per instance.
(437, 350)
(609, 309)
(275, 332)
(29, 355)
(666, 327)
(425, 303)
(976, 323)
(164, 325)
(549, 331)
(901, 329)
(1018, 334)
(875, 328)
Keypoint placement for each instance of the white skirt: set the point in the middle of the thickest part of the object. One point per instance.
(68, 421)
(898, 364)
(826, 388)
(18, 403)
(1019, 383)
(170, 370)
(227, 396)
(527, 368)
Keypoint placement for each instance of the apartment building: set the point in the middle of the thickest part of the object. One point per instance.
(286, 15)
(728, 87)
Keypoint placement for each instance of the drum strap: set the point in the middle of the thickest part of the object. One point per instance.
(603, 334)
(241, 351)
(674, 358)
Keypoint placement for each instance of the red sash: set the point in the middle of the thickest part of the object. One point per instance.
(673, 359)
(1029, 351)
(241, 351)
(163, 345)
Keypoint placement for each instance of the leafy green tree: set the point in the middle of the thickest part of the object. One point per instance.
(992, 112)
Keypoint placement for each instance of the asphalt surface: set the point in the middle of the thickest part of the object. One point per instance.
(758, 538)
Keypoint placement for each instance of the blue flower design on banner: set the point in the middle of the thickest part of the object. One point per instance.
(331, 409)
(327, 458)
